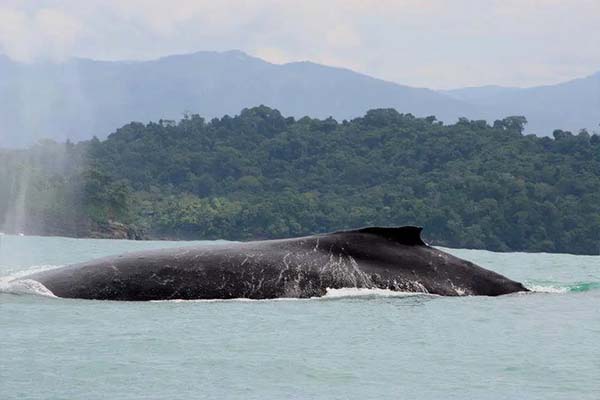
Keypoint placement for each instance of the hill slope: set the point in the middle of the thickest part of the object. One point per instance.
(264, 175)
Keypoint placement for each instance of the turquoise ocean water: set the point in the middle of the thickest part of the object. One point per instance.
(348, 345)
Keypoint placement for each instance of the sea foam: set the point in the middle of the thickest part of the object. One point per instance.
(547, 288)
(365, 292)
(563, 288)
(14, 284)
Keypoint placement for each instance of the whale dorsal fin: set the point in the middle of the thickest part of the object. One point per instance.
(408, 235)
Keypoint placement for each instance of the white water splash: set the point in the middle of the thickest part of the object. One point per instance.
(365, 292)
(14, 284)
(24, 286)
(547, 288)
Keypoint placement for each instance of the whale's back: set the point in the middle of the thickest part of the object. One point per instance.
(373, 257)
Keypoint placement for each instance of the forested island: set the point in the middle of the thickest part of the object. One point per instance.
(262, 175)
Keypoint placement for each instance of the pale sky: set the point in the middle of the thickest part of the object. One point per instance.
(429, 43)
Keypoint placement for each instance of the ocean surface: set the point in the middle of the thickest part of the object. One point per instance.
(348, 345)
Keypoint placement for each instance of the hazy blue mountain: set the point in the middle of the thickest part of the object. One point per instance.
(570, 105)
(81, 98)
(478, 93)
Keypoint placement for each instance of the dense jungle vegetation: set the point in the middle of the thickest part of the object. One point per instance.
(261, 175)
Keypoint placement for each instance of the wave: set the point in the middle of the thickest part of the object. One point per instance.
(584, 286)
(577, 287)
(369, 293)
(547, 288)
(10, 285)
(14, 284)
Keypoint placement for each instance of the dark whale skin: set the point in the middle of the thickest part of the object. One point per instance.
(386, 258)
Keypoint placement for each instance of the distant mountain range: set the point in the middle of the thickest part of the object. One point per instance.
(571, 105)
(82, 98)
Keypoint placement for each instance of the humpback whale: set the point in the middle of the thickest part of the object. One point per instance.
(394, 258)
